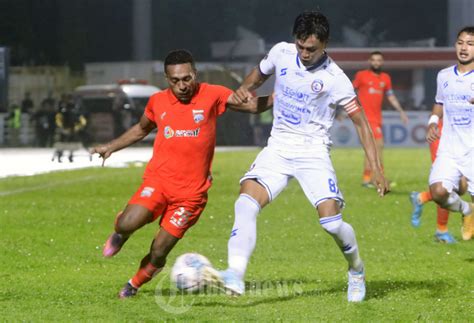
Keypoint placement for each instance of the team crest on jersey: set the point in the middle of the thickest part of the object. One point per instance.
(168, 132)
(317, 86)
(198, 115)
(382, 84)
(147, 191)
(163, 115)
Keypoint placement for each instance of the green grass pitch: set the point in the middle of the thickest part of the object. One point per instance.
(52, 228)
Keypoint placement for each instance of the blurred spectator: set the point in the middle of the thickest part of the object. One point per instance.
(14, 124)
(70, 123)
(27, 104)
(262, 128)
(44, 121)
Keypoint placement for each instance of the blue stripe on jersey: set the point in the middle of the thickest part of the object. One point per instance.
(456, 71)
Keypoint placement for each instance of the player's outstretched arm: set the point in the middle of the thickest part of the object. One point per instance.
(367, 139)
(433, 130)
(131, 136)
(253, 105)
(397, 106)
(252, 82)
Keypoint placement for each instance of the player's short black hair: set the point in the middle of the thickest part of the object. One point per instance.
(311, 23)
(376, 52)
(468, 30)
(179, 56)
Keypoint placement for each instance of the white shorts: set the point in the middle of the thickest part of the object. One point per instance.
(314, 172)
(449, 170)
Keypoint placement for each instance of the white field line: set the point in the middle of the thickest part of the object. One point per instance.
(51, 185)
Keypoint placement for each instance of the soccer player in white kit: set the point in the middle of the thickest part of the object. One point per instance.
(455, 157)
(309, 87)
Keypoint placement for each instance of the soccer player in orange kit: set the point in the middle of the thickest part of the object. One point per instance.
(371, 86)
(177, 178)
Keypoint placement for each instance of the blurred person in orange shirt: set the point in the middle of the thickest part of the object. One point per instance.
(371, 86)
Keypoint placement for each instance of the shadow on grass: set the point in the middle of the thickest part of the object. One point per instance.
(276, 291)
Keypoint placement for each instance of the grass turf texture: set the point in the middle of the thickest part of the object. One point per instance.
(53, 227)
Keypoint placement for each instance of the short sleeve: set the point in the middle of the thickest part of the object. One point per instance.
(342, 91)
(357, 81)
(439, 98)
(268, 63)
(223, 95)
(388, 86)
(149, 113)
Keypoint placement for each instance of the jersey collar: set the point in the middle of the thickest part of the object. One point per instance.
(318, 63)
(457, 73)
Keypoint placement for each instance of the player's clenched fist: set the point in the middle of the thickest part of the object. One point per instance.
(242, 95)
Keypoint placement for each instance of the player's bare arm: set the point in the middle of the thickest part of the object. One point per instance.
(253, 81)
(433, 129)
(131, 136)
(397, 106)
(368, 143)
(253, 105)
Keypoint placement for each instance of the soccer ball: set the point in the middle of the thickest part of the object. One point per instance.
(188, 271)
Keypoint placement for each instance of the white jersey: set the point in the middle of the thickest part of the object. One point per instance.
(305, 98)
(454, 91)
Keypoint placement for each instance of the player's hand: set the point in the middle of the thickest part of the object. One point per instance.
(383, 187)
(404, 117)
(242, 95)
(433, 133)
(471, 101)
(104, 152)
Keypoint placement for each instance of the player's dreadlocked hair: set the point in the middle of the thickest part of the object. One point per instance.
(311, 23)
(179, 56)
(468, 30)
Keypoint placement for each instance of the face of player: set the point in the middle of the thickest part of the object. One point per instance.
(310, 50)
(465, 48)
(376, 63)
(182, 81)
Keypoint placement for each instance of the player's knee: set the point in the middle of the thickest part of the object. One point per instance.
(439, 193)
(331, 224)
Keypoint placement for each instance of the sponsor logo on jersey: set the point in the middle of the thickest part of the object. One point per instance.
(445, 84)
(382, 84)
(169, 132)
(283, 71)
(290, 117)
(147, 191)
(317, 86)
(180, 217)
(198, 115)
(294, 94)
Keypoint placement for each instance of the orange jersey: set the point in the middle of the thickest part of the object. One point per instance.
(185, 141)
(371, 88)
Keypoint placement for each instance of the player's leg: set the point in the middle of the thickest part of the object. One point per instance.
(145, 206)
(447, 198)
(319, 183)
(179, 216)
(127, 221)
(259, 186)
(442, 234)
(151, 264)
(379, 143)
(418, 199)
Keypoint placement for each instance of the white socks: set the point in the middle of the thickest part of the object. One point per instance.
(344, 236)
(244, 234)
(456, 204)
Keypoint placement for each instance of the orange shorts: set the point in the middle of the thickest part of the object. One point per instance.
(177, 214)
(376, 129)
